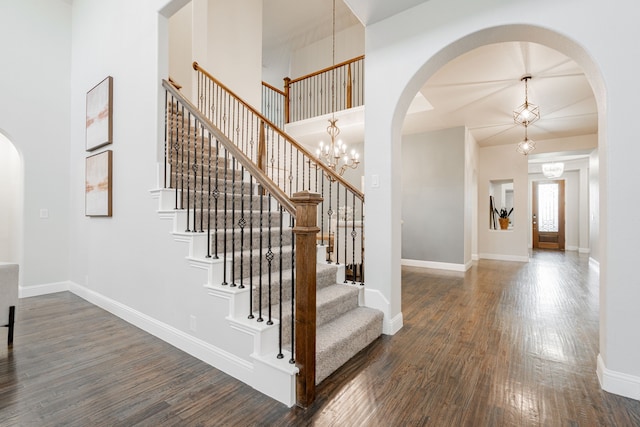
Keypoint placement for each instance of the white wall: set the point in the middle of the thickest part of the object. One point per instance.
(471, 198)
(181, 50)
(594, 206)
(503, 163)
(11, 179)
(35, 40)
(233, 51)
(316, 56)
(433, 197)
(405, 50)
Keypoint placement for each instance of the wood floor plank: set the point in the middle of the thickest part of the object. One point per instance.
(504, 344)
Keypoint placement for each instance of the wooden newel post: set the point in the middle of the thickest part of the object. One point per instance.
(287, 106)
(305, 232)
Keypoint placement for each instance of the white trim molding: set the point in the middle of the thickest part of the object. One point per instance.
(436, 265)
(500, 257)
(44, 289)
(617, 382)
(373, 298)
(594, 263)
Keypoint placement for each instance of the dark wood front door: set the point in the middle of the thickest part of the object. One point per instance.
(548, 215)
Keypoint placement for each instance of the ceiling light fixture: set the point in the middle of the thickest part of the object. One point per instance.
(526, 145)
(553, 170)
(332, 153)
(527, 113)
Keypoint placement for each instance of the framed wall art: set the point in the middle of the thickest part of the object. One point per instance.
(98, 184)
(99, 127)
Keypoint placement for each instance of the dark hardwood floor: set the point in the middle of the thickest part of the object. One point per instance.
(505, 344)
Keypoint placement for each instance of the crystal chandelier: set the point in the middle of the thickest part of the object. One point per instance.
(335, 154)
(525, 115)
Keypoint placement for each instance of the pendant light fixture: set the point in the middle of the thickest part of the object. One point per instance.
(525, 115)
(336, 151)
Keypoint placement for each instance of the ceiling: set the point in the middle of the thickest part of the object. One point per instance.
(479, 89)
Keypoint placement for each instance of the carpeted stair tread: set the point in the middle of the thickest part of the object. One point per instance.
(341, 339)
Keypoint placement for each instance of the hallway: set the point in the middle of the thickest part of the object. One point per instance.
(505, 344)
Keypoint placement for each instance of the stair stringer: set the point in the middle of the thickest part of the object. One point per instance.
(260, 368)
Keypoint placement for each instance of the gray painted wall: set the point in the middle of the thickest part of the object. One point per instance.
(433, 196)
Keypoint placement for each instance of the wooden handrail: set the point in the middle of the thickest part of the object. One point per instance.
(273, 88)
(266, 182)
(324, 70)
(333, 174)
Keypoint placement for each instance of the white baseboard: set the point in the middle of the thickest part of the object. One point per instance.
(44, 289)
(584, 250)
(436, 265)
(500, 257)
(571, 248)
(595, 264)
(475, 257)
(617, 382)
(374, 299)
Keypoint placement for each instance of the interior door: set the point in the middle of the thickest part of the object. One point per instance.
(547, 218)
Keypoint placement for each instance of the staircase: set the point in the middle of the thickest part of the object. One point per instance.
(240, 233)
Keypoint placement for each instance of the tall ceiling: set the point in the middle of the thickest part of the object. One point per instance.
(479, 89)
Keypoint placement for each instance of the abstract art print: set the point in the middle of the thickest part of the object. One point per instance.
(99, 114)
(98, 183)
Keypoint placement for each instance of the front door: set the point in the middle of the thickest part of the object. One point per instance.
(548, 215)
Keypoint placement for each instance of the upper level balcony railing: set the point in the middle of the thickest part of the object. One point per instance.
(331, 89)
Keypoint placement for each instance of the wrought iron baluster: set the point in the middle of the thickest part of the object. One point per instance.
(336, 241)
(346, 208)
(362, 242)
(241, 223)
(208, 199)
(202, 192)
(293, 293)
(188, 167)
(353, 239)
(225, 230)
(194, 167)
(329, 214)
(260, 319)
(216, 196)
(233, 222)
(280, 355)
(251, 196)
(269, 256)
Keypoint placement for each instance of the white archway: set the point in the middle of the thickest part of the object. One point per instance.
(392, 100)
(11, 197)
(498, 34)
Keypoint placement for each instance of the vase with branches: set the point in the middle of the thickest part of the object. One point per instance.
(503, 217)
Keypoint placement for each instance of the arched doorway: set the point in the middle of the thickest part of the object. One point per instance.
(461, 121)
(11, 195)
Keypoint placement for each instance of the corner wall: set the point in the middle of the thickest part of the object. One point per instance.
(35, 47)
(433, 198)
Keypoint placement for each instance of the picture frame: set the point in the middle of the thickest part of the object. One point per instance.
(99, 115)
(99, 184)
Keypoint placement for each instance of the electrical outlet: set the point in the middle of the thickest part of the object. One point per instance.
(192, 323)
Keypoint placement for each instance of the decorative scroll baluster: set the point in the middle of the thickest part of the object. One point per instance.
(293, 293)
(208, 198)
(336, 241)
(194, 167)
(329, 214)
(353, 241)
(202, 192)
(188, 166)
(269, 257)
(346, 208)
(233, 223)
(362, 242)
(241, 223)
